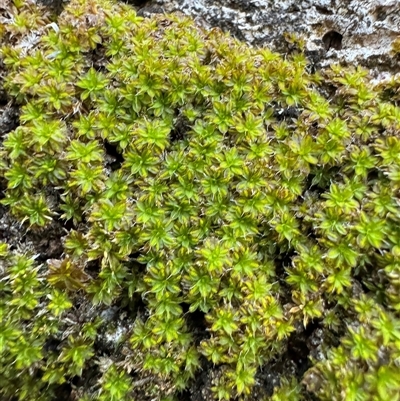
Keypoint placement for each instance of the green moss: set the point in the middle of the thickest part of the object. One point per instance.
(234, 193)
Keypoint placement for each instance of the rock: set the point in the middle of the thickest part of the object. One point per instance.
(356, 32)
(9, 117)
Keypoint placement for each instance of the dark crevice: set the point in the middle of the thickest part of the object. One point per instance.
(293, 362)
(181, 127)
(137, 3)
(374, 174)
(380, 13)
(287, 113)
(88, 378)
(52, 345)
(63, 392)
(3, 189)
(68, 224)
(282, 262)
(132, 305)
(184, 395)
(332, 40)
(298, 349)
(99, 58)
(268, 377)
(47, 242)
(135, 256)
(140, 309)
(55, 6)
(114, 154)
(201, 382)
(196, 322)
(328, 90)
(323, 10)
(308, 229)
(319, 180)
(93, 268)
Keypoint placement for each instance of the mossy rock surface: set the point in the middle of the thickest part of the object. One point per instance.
(198, 219)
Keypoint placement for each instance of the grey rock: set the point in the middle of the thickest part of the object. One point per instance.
(8, 118)
(356, 32)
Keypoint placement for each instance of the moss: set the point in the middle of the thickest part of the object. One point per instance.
(215, 197)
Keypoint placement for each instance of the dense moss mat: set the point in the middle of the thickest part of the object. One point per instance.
(231, 219)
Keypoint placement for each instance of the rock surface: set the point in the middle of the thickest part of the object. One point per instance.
(356, 32)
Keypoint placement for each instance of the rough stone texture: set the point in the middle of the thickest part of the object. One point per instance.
(368, 27)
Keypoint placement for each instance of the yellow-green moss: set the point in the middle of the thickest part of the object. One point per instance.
(238, 196)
